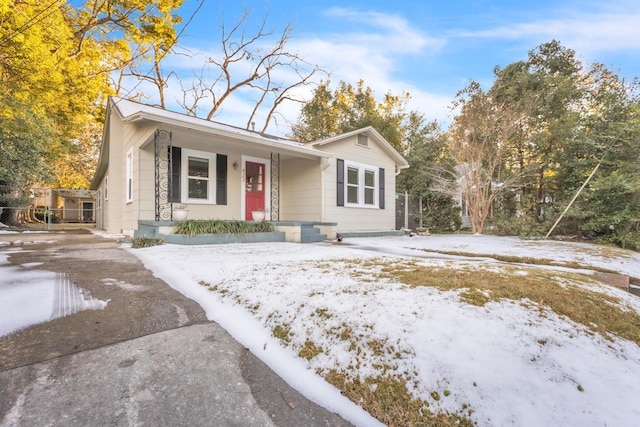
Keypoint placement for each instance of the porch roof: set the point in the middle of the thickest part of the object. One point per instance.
(132, 112)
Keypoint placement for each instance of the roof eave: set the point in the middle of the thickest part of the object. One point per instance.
(302, 150)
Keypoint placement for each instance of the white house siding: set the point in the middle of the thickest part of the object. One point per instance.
(146, 183)
(143, 190)
(300, 190)
(359, 218)
(112, 208)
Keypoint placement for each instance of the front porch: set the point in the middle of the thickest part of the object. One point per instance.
(286, 231)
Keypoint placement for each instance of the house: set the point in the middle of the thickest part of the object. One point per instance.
(66, 205)
(152, 160)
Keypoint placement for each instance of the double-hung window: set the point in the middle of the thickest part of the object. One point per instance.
(361, 185)
(198, 176)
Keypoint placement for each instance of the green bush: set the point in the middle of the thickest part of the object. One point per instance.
(191, 227)
(146, 242)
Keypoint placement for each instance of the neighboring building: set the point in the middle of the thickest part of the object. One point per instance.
(152, 160)
(66, 205)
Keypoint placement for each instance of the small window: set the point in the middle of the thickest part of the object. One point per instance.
(106, 188)
(363, 140)
(129, 176)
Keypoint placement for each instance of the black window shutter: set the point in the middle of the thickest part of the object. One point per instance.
(221, 179)
(381, 188)
(340, 181)
(176, 164)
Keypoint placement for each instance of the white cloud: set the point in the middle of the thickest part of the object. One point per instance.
(585, 32)
(374, 53)
(388, 33)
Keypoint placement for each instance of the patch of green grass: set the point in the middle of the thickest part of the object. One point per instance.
(283, 333)
(388, 400)
(213, 288)
(192, 227)
(146, 242)
(377, 347)
(323, 313)
(310, 350)
(558, 291)
(533, 261)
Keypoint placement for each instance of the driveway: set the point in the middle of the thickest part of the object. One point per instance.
(121, 347)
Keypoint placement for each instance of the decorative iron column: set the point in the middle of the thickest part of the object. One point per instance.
(163, 175)
(275, 186)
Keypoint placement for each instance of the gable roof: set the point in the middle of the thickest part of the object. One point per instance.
(401, 163)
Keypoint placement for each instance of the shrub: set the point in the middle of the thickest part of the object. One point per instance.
(192, 227)
(146, 242)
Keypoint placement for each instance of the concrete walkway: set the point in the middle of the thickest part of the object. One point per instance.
(147, 357)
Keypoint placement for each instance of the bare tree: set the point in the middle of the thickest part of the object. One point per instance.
(149, 49)
(248, 63)
(480, 140)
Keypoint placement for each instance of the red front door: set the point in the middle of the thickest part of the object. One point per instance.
(254, 192)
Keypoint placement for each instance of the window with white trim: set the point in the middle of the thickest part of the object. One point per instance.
(361, 185)
(198, 177)
(129, 176)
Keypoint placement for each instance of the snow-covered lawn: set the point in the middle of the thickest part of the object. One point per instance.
(329, 310)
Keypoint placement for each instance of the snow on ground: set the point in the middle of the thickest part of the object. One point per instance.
(501, 364)
(29, 297)
(603, 256)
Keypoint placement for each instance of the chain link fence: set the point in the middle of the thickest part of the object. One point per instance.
(408, 212)
(439, 213)
(48, 218)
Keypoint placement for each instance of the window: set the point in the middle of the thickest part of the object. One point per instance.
(363, 140)
(198, 177)
(361, 185)
(106, 188)
(353, 176)
(129, 176)
(369, 187)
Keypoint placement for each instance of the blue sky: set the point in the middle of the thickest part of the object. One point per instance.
(430, 49)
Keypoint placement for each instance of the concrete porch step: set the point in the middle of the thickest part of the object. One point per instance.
(310, 234)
